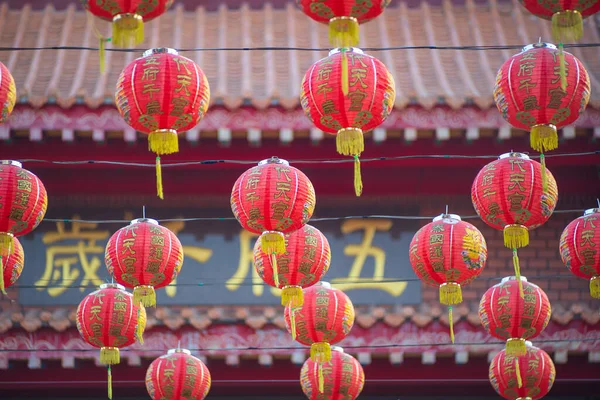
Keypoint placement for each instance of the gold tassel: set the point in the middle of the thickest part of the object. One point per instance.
(450, 293)
(321, 378)
(159, 184)
(272, 242)
(345, 86)
(517, 267)
(141, 325)
(543, 138)
(358, 185)
(344, 32)
(567, 26)
(144, 294)
(320, 352)
(516, 236)
(350, 141)
(127, 30)
(544, 175)
(516, 347)
(110, 355)
(518, 372)
(163, 141)
(102, 54)
(2, 288)
(562, 67)
(451, 324)
(292, 296)
(293, 322)
(7, 246)
(595, 287)
(109, 383)
(275, 271)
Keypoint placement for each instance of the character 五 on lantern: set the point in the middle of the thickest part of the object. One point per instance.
(508, 195)
(448, 253)
(348, 111)
(162, 94)
(110, 319)
(579, 248)
(8, 93)
(306, 259)
(24, 203)
(271, 199)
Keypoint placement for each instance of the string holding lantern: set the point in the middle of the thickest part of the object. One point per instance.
(347, 112)
(162, 94)
(529, 376)
(8, 93)
(11, 266)
(305, 261)
(272, 199)
(110, 319)
(578, 248)
(508, 195)
(177, 375)
(343, 377)
(448, 253)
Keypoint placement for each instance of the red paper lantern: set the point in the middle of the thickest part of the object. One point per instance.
(271, 199)
(346, 94)
(530, 376)
(11, 266)
(343, 377)
(177, 375)
(448, 253)
(343, 17)
(579, 248)
(144, 256)
(162, 94)
(305, 261)
(508, 316)
(530, 96)
(8, 93)
(128, 17)
(109, 319)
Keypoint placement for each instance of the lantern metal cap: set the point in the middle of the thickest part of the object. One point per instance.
(513, 278)
(590, 211)
(538, 46)
(355, 50)
(274, 160)
(528, 343)
(337, 348)
(448, 218)
(514, 154)
(11, 162)
(184, 351)
(112, 286)
(160, 50)
(140, 220)
(326, 285)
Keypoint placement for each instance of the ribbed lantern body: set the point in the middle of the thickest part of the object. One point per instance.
(8, 93)
(325, 10)
(178, 375)
(546, 9)
(536, 371)
(11, 266)
(107, 10)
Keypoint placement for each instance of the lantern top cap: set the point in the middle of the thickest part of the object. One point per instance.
(514, 154)
(112, 286)
(140, 220)
(513, 278)
(160, 50)
(274, 160)
(538, 46)
(355, 50)
(590, 211)
(448, 218)
(184, 351)
(11, 162)
(326, 285)
(337, 348)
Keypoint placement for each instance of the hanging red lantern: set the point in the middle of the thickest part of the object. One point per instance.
(346, 94)
(579, 248)
(508, 316)
(508, 194)
(448, 253)
(304, 262)
(109, 319)
(272, 199)
(144, 256)
(8, 93)
(529, 376)
(530, 95)
(343, 377)
(177, 375)
(162, 94)
(343, 17)
(127, 17)
(11, 266)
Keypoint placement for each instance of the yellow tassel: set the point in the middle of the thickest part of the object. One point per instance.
(516, 347)
(292, 296)
(110, 355)
(2, 289)
(358, 185)
(275, 271)
(543, 138)
(127, 30)
(345, 85)
(518, 372)
(516, 236)
(567, 26)
(450, 293)
(163, 141)
(141, 325)
(293, 322)
(320, 352)
(595, 287)
(321, 379)
(159, 184)
(272, 242)
(451, 324)
(344, 32)
(109, 383)
(544, 175)
(7, 246)
(350, 141)
(102, 54)
(144, 294)
(562, 67)
(517, 267)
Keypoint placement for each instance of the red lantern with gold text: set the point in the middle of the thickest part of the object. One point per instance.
(343, 377)
(8, 93)
(11, 266)
(144, 256)
(448, 253)
(127, 17)
(109, 319)
(162, 94)
(579, 248)
(346, 94)
(508, 195)
(177, 375)
(305, 261)
(272, 199)
(530, 95)
(528, 377)
(508, 316)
